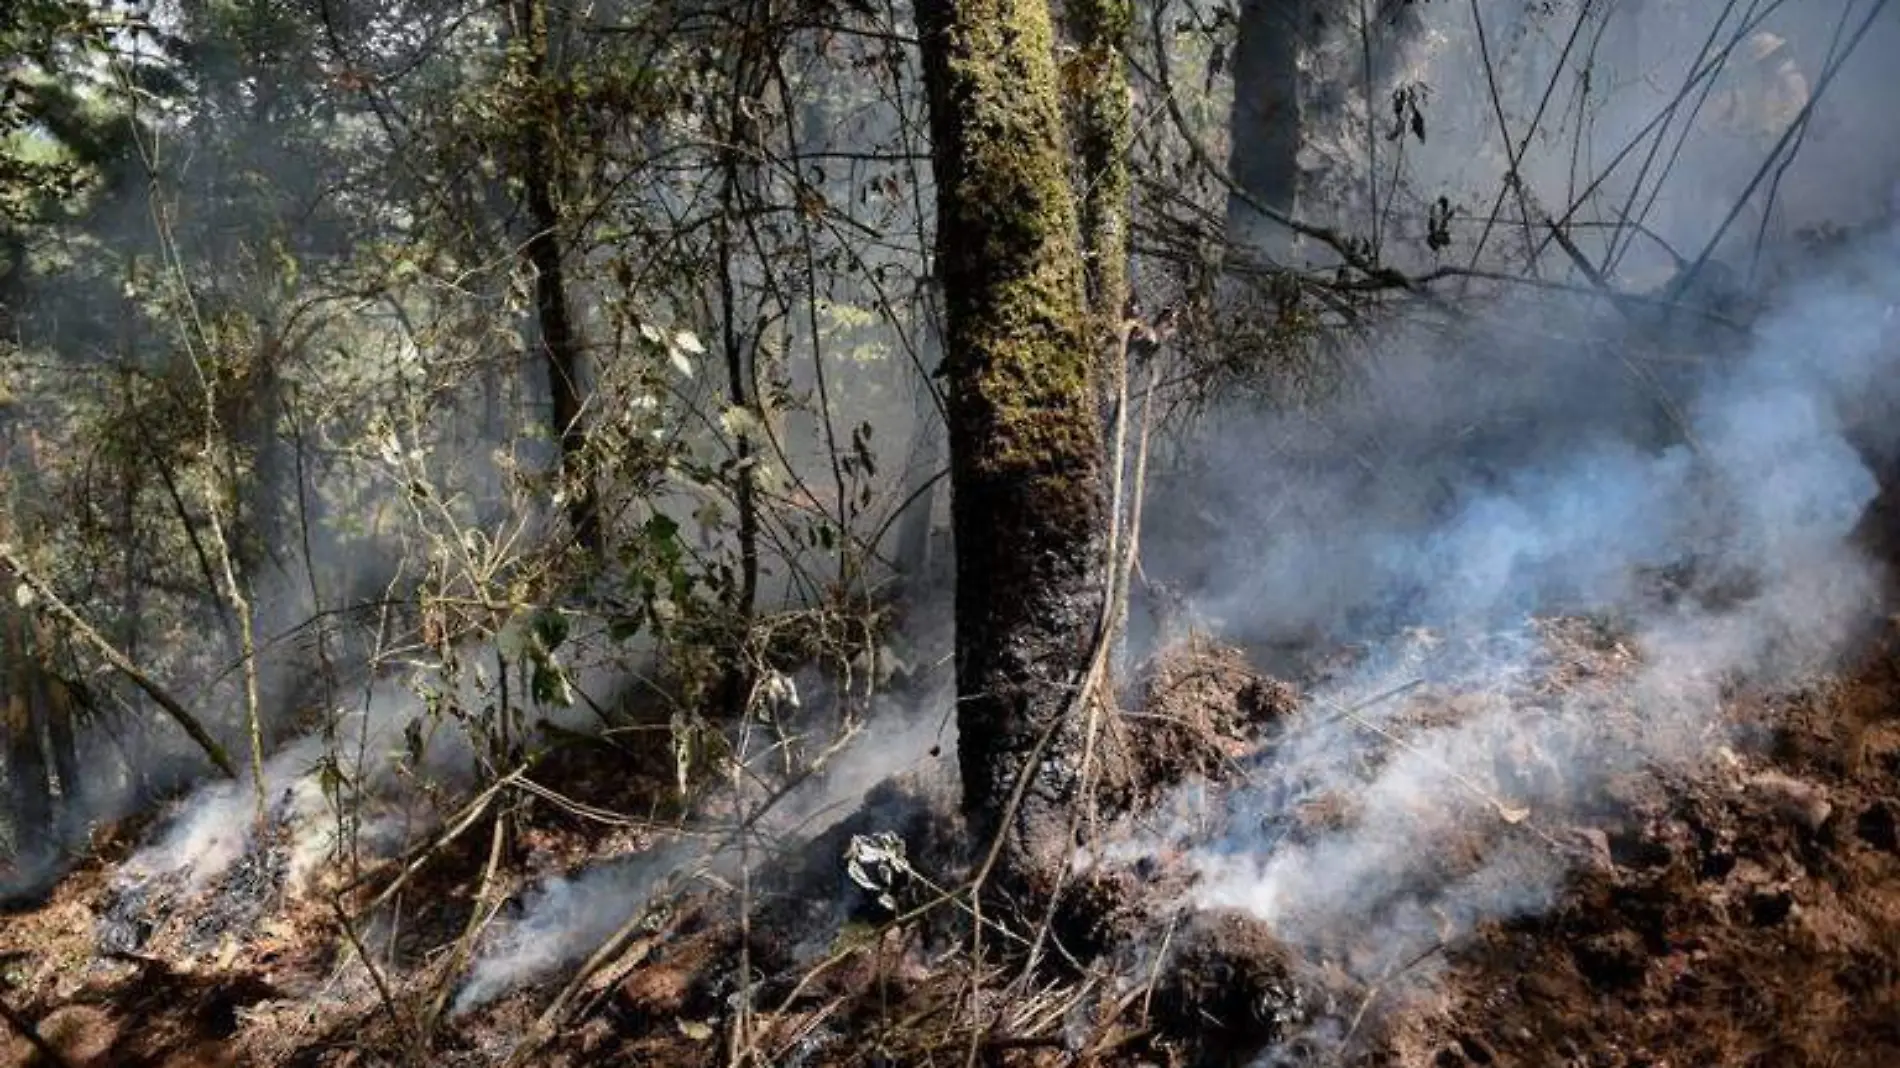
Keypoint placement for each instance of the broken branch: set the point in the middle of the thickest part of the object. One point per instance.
(123, 664)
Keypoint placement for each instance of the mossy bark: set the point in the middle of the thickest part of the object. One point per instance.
(1026, 440)
(1098, 84)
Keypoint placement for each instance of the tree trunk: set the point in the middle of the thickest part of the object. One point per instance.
(929, 450)
(1102, 115)
(30, 797)
(61, 714)
(560, 346)
(1264, 128)
(738, 164)
(62, 735)
(1277, 106)
(1025, 436)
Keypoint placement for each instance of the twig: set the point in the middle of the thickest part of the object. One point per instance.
(386, 998)
(1372, 992)
(121, 663)
(478, 917)
(1795, 129)
(420, 856)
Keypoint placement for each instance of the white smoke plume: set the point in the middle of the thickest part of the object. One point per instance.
(216, 825)
(1520, 480)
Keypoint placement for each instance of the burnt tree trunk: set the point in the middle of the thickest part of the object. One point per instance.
(62, 736)
(1025, 436)
(559, 343)
(1277, 105)
(61, 715)
(1264, 127)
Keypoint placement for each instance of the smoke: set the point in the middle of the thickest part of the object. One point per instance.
(1710, 509)
(1539, 459)
(395, 749)
(563, 919)
(1656, 112)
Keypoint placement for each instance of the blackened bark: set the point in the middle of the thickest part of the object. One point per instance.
(1264, 128)
(1276, 106)
(62, 736)
(1025, 437)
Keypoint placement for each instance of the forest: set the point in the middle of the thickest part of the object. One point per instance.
(1114, 533)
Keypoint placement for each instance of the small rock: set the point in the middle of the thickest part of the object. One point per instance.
(1542, 986)
(1804, 803)
(1596, 847)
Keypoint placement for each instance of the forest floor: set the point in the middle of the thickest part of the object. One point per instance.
(1740, 911)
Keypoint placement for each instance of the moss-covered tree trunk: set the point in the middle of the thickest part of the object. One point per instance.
(1025, 435)
(1098, 83)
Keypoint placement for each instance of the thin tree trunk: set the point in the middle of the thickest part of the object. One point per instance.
(30, 798)
(560, 346)
(739, 342)
(1024, 428)
(62, 736)
(924, 464)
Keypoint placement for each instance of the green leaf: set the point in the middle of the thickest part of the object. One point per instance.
(551, 628)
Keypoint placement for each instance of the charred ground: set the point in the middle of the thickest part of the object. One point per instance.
(1743, 912)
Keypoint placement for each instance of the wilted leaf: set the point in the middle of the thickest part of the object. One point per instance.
(738, 420)
(1513, 815)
